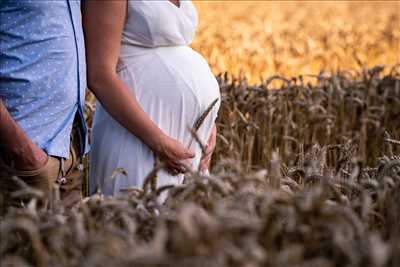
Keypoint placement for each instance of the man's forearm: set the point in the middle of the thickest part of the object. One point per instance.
(11, 135)
(15, 143)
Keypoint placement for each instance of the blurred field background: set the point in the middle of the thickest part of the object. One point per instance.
(257, 39)
(306, 172)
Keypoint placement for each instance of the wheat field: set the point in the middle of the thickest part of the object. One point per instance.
(306, 172)
(257, 39)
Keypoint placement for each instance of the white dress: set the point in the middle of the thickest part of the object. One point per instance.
(173, 84)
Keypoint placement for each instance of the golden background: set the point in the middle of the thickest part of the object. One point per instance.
(257, 39)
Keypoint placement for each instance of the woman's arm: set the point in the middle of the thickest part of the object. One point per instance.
(103, 23)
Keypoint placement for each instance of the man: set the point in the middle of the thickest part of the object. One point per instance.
(42, 88)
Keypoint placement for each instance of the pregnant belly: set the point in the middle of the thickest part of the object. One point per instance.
(168, 74)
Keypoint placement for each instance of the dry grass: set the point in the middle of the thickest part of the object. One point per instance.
(316, 203)
(263, 38)
(305, 174)
(357, 109)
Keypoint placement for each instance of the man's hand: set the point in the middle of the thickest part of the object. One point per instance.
(13, 140)
(29, 157)
(210, 147)
(173, 154)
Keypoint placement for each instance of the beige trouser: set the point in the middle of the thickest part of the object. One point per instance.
(57, 177)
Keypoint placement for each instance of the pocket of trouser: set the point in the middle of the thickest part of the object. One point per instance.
(41, 179)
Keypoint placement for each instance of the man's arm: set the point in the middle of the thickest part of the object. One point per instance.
(16, 144)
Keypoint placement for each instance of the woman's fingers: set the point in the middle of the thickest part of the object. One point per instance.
(173, 172)
(175, 151)
(209, 151)
(205, 162)
(211, 143)
(210, 147)
(176, 168)
(184, 153)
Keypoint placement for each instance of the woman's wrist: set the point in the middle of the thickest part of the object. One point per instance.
(156, 141)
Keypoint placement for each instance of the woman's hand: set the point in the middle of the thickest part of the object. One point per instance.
(206, 159)
(174, 154)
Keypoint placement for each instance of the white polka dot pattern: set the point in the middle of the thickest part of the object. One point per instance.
(43, 71)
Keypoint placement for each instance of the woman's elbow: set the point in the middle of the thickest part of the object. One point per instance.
(93, 79)
(98, 77)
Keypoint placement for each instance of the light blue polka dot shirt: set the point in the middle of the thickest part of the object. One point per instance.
(43, 70)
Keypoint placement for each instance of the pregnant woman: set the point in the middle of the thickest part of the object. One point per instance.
(151, 87)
